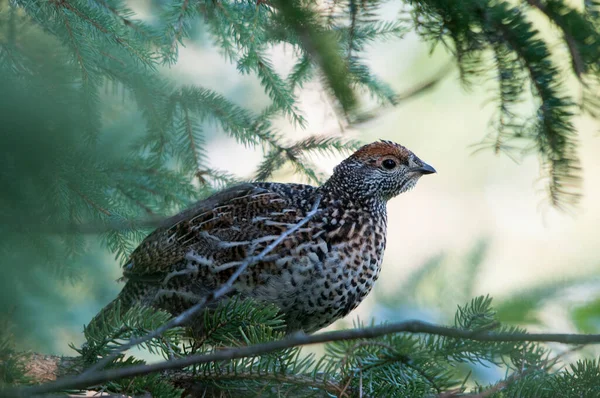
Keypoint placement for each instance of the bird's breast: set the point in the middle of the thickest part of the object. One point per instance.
(326, 278)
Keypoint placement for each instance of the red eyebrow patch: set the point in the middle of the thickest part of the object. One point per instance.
(382, 148)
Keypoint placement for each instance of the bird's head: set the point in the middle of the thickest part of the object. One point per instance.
(380, 170)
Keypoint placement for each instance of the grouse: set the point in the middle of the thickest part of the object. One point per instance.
(315, 276)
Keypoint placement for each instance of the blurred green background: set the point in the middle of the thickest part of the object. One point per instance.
(481, 225)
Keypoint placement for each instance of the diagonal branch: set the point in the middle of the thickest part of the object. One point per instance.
(128, 195)
(91, 202)
(578, 65)
(178, 28)
(80, 61)
(185, 316)
(122, 41)
(126, 21)
(409, 94)
(295, 340)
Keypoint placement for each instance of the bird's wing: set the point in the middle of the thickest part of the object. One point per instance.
(236, 214)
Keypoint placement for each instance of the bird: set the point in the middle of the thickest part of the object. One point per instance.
(316, 275)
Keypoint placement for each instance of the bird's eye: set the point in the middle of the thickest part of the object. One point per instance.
(388, 164)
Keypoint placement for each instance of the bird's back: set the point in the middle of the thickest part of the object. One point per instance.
(199, 249)
(315, 276)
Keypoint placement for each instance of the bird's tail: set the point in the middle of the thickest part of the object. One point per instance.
(111, 314)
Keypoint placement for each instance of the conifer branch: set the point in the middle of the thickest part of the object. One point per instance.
(554, 130)
(190, 134)
(75, 46)
(299, 339)
(129, 196)
(91, 202)
(502, 384)
(579, 66)
(178, 28)
(320, 44)
(126, 21)
(107, 55)
(183, 379)
(353, 10)
(93, 22)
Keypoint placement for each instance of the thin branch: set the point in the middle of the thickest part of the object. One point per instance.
(190, 133)
(352, 29)
(80, 61)
(185, 316)
(178, 28)
(126, 21)
(556, 152)
(409, 94)
(360, 344)
(428, 84)
(102, 29)
(578, 64)
(91, 202)
(350, 351)
(134, 200)
(295, 340)
(107, 55)
(318, 382)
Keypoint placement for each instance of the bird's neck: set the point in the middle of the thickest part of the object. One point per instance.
(349, 196)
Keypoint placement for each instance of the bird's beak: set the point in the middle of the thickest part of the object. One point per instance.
(425, 169)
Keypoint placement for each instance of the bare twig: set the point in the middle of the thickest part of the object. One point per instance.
(409, 94)
(428, 84)
(295, 340)
(185, 316)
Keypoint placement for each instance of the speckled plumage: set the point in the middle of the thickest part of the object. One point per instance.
(315, 276)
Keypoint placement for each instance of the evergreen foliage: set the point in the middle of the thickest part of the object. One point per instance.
(97, 145)
(395, 365)
(12, 363)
